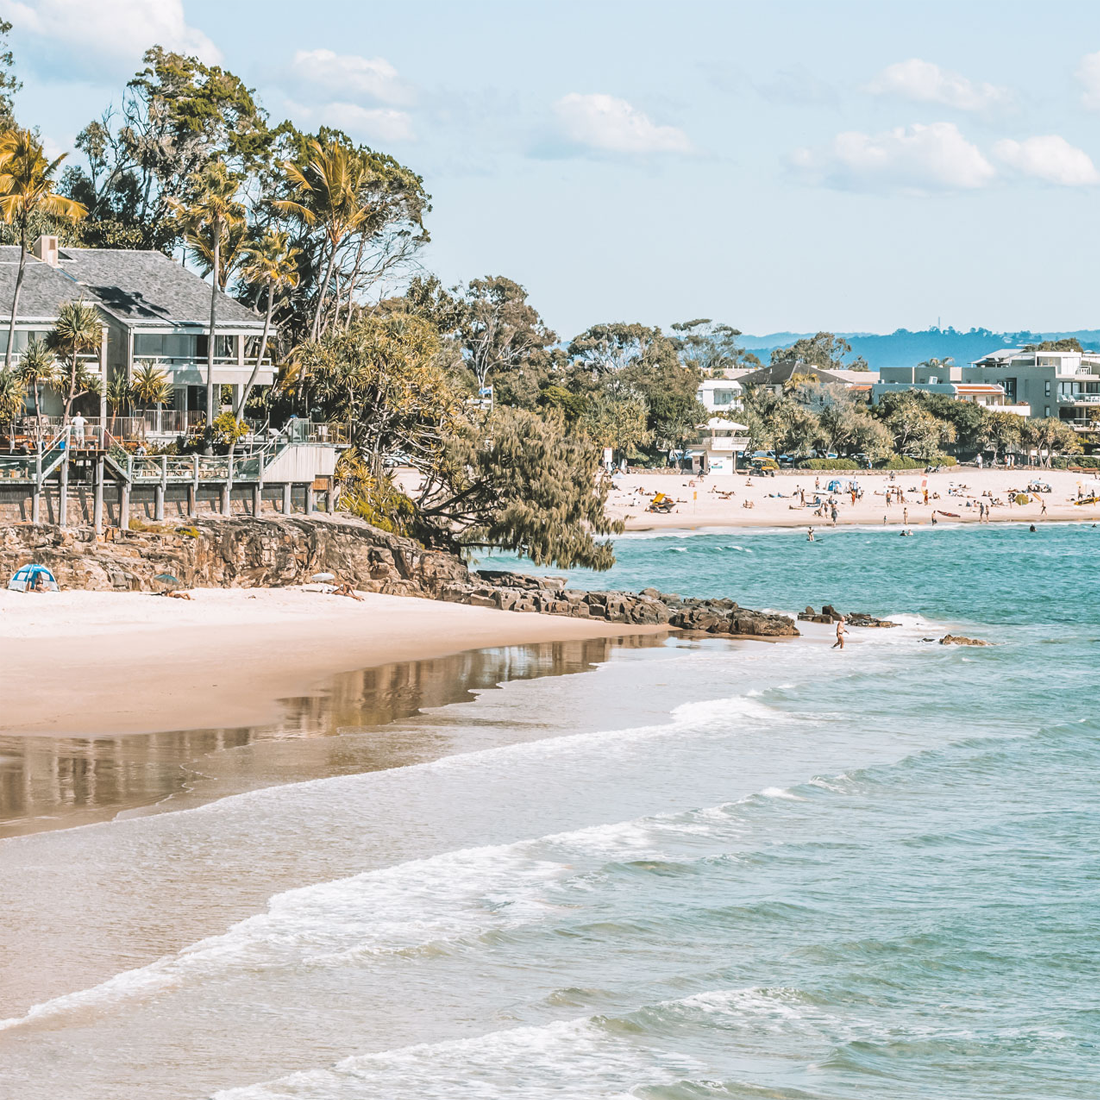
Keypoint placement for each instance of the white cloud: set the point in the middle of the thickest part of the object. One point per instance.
(913, 158)
(612, 125)
(1088, 73)
(105, 35)
(365, 123)
(1051, 158)
(351, 77)
(925, 82)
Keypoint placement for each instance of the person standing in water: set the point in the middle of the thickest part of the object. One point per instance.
(840, 632)
(810, 535)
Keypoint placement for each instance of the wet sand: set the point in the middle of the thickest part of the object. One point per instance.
(104, 663)
(59, 782)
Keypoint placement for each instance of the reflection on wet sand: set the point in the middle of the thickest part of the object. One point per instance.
(52, 783)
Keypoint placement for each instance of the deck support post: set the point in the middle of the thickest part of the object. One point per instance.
(97, 502)
(124, 506)
(331, 496)
(63, 503)
(288, 499)
(257, 498)
(309, 499)
(158, 512)
(193, 490)
(36, 492)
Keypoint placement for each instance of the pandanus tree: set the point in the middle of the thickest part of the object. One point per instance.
(37, 368)
(273, 264)
(26, 189)
(77, 334)
(150, 386)
(328, 194)
(12, 396)
(216, 210)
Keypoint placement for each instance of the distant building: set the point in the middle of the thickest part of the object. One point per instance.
(946, 381)
(720, 395)
(154, 310)
(776, 375)
(1063, 384)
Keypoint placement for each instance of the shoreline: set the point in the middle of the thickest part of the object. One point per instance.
(739, 501)
(106, 664)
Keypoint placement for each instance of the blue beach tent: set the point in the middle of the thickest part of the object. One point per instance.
(29, 577)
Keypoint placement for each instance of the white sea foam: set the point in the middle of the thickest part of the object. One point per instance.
(449, 897)
(780, 792)
(565, 1058)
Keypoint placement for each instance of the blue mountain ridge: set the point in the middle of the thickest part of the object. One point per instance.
(904, 348)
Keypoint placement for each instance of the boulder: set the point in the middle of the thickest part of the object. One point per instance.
(959, 639)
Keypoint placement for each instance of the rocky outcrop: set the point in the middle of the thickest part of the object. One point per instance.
(244, 552)
(829, 614)
(959, 639)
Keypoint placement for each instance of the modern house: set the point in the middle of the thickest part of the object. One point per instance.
(1063, 384)
(154, 310)
(945, 379)
(719, 395)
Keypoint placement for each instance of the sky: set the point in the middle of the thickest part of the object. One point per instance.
(777, 165)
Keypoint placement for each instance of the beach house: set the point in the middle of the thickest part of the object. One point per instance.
(154, 310)
(946, 379)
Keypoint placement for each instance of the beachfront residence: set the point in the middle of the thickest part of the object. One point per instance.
(945, 379)
(777, 375)
(1063, 384)
(154, 310)
(719, 395)
(720, 442)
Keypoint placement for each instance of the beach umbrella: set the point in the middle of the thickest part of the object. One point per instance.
(323, 578)
(168, 580)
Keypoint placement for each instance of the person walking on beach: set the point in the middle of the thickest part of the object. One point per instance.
(905, 515)
(840, 632)
(1042, 507)
(833, 513)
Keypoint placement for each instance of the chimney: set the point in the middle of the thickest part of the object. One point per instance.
(45, 248)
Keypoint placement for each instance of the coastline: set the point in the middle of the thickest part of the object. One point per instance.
(80, 663)
(719, 500)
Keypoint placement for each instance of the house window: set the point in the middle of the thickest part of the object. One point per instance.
(1010, 389)
(1046, 388)
(1046, 410)
(22, 339)
(225, 347)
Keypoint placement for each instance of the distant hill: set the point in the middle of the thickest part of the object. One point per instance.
(904, 348)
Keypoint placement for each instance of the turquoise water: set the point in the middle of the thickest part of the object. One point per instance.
(703, 871)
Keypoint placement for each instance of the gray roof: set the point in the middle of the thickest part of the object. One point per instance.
(136, 287)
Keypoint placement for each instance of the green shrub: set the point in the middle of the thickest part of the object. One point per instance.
(901, 462)
(1086, 462)
(828, 464)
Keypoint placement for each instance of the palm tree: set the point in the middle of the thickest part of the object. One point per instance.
(273, 263)
(37, 368)
(151, 386)
(13, 395)
(329, 192)
(119, 394)
(77, 333)
(215, 208)
(26, 188)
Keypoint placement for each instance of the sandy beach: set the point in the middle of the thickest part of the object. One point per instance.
(101, 663)
(720, 500)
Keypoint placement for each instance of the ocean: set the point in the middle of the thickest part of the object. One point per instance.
(700, 869)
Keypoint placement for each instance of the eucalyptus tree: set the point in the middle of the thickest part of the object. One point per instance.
(27, 189)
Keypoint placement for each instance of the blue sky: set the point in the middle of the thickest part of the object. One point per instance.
(776, 165)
